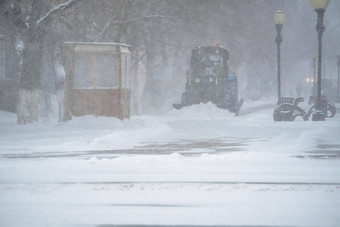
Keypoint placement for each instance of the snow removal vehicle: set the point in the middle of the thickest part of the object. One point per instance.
(209, 80)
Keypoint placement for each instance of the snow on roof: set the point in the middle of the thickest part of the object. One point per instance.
(97, 43)
(202, 46)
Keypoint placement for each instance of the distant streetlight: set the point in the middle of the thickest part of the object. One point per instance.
(309, 80)
(314, 67)
(279, 19)
(338, 55)
(320, 8)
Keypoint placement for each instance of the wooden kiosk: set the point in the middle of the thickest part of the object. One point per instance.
(98, 80)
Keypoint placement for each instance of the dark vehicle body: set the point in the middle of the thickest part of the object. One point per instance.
(209, 79)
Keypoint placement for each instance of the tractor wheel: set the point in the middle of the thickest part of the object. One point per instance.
(231, 94)
(186, 99)
(223, 95)
(228, 95)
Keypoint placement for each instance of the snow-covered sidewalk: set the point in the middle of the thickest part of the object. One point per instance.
(195, 166)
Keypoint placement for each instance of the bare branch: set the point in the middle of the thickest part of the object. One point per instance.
(111, 21)
(143, 18)
(56, 10)
(104, 30)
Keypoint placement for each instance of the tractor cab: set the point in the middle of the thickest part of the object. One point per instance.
(208, 63)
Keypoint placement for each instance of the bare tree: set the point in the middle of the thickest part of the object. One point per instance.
(29, 20)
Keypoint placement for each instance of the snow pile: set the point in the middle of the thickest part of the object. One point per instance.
(195, 160)
(207, 111)
(131, 134)
(81, 133)
(256, 130)
(90, 122)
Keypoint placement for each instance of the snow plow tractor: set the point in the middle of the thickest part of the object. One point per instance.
(209, 81)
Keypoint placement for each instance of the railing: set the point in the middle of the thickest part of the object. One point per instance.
(287, 108)
(327, 107)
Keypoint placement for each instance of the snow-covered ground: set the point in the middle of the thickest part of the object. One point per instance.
(196, 166)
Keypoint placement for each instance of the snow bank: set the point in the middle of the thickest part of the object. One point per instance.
(206, 112)
(89, 175)
(256, 129)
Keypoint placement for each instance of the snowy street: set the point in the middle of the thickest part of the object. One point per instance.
(196, 166)
(170, 113)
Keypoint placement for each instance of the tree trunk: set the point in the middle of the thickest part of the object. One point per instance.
(29, 88)
(28, 105)
(63, 86)
(147, 91)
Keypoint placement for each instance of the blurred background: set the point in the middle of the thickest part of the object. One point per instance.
(163, 32)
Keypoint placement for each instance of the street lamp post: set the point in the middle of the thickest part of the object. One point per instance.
(320, 8)
(279, 19)
(338, 55)
(314, 66)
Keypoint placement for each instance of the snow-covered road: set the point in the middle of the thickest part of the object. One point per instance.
(196, 166)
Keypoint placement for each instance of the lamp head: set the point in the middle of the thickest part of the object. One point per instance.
(279, 17)
(319, 4)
